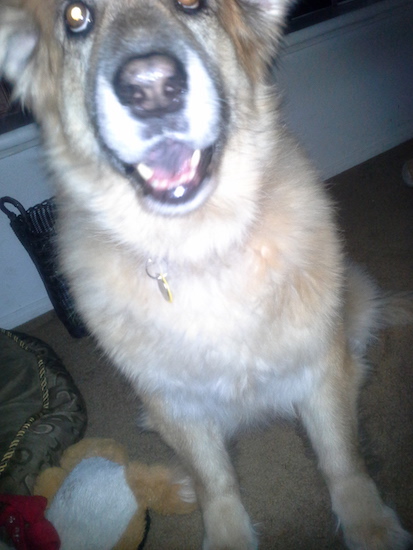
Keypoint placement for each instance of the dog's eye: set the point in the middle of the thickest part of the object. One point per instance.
(78, 18)
(190, 5)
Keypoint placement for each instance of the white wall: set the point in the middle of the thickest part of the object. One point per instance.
(22, 294)
(348, 86)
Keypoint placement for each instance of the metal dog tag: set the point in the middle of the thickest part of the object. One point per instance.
(165, 288)
(155, 271)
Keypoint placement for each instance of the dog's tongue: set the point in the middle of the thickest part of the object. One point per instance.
(170, 165)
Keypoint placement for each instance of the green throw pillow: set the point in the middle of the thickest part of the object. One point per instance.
(41, 410)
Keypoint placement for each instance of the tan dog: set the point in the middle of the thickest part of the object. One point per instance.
(201, 248)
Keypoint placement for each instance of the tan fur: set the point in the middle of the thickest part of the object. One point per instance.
(249, 52)
(267, 317)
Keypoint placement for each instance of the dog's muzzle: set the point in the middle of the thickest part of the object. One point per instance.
(158, 117)
(153, 87)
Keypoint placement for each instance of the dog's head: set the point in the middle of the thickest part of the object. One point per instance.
(152, 89)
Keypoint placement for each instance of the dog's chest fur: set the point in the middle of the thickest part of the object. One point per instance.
(241, 335)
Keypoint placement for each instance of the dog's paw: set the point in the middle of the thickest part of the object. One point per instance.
(383, 532)
(228, 526)
(366, 522)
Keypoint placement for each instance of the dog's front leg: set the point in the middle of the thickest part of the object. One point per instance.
(201, 447)
(329, 415)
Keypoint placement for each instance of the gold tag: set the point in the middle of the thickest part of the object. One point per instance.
(165, 288)
(155, 271)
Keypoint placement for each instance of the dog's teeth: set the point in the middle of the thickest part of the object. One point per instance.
(196, 157)
(145, 171)
(160, 185)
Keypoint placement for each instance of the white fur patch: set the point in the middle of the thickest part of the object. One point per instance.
(202, 108)
(93, 506)
(276, 8)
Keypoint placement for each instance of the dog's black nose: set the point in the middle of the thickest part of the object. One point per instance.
(151, 85)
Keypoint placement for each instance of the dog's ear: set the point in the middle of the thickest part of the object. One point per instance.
(256, 27)
(274, 8)
(269, 15)
(18, 39)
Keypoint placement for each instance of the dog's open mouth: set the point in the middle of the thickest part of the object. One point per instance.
(172, 172)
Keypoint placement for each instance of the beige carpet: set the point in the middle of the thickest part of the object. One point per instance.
(281, 486)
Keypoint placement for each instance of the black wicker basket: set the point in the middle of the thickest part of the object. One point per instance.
(35, 229)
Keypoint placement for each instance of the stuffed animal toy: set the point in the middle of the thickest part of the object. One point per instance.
(98, 500)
